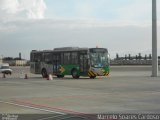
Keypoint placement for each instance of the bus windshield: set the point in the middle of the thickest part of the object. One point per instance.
(99, 58)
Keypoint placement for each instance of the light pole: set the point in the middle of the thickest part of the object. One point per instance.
(154, 40)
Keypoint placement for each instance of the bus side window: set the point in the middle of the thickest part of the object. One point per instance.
(67, 58)
(36, 57)
(31, 57)
(48, 58)
(74, 58)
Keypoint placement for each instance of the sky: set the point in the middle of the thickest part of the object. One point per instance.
(122, 26)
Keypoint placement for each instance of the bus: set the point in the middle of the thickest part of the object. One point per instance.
(73, 61)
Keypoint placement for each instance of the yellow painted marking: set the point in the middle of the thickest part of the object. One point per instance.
(61, 69)
(91, 73)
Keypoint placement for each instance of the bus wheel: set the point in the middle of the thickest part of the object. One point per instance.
(60, 76)
(44, 73)
(75, 74)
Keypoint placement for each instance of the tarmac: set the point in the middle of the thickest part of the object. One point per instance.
(128, 89)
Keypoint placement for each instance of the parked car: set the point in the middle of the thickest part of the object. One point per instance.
(5, 69)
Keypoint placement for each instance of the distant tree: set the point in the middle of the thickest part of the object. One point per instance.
(17, 58)
(7, 58)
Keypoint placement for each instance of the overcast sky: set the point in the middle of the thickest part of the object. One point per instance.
(122, 26)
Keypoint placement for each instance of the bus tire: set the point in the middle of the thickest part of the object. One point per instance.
(74, 73)
(44, 73)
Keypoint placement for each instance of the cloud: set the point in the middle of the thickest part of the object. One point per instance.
(21, 9)
(84, 9)
(125, 28)
(135, 12)
(111, 11)
(23, 36)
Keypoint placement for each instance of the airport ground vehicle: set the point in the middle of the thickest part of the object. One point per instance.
(73, 61)
(5, 69)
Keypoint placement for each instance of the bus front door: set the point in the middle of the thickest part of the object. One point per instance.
(37, 67)
(83, 63)
(56, 63)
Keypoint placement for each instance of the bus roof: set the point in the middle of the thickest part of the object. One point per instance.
(69, 49)
(61, 49)
(64, 49)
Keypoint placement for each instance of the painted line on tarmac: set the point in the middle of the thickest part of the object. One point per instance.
(50, 108)
(50, 117)
(32, 107)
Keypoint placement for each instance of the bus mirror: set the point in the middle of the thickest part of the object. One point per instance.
(109, 59)
(108, 55)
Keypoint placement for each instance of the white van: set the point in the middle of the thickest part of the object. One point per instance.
(5, 69)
